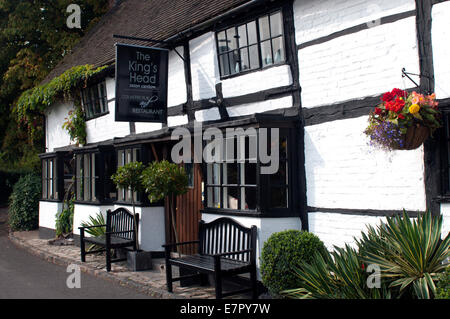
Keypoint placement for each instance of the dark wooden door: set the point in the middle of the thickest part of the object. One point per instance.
(188, 214)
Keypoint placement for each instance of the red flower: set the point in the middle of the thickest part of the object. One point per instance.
(399, 105)
(390, 105)
(401, 116)
(378, 111)
(399, 93)
(387, 97)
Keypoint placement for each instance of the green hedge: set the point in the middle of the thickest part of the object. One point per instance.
(281, 252)
(7, 180)
(24, 203)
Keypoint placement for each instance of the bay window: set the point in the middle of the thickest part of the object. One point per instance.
(94, 168)
(240, 182)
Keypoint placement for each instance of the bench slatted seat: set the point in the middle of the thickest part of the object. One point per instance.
(225, 248)
(120, 233)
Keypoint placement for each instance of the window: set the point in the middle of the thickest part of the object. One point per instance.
(232, 184)
(252, 45)
(50, 179)
(237, 183)
(125, 156)
(86, 177)
(93, 175)
(446, 152)
(94, 100)
(189, 169)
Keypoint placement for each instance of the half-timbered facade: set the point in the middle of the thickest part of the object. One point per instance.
(312, 69)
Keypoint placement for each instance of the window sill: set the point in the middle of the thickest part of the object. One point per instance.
(226, 77)
(50, 200)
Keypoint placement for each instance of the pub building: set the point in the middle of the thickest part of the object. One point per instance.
(311, 69)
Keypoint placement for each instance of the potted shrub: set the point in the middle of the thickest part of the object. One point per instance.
(164, 179)
(403, 121)
(129, 177)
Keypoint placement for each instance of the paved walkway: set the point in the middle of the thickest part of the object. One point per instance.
(152, 282)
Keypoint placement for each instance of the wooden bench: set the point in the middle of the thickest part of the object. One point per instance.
(225, 248)
(120, 233)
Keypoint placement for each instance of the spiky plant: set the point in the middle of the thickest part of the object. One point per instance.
(409, 252)
(336, 275)
(98, 220)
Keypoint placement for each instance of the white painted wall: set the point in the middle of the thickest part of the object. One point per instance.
(441, 48)
(55, 135)
(445, 211)
(265, 79)
(365, 63)
(343, 171)
(211, 114)
(266, 227)
(318, 18)
(151, 223)
(340, 229)
(260, 107)
(176, 90)
(47, 214)
(204, 66)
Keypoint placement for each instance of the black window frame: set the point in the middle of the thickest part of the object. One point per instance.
(443, 135)
(123, 196)
(263, 185)
(55, 160)
(255, 18)
(102, 191)
(97, 105)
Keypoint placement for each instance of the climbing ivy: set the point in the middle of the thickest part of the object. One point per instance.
(33, 102)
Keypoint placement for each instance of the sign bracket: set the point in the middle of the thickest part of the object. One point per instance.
(148, 40)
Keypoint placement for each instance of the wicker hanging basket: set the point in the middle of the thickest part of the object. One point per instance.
(415, 136)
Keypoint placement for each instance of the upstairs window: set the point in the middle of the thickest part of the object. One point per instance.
(252, 45)
(94, 100)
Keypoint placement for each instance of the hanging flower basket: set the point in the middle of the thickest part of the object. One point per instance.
(415, 136)
(403, 121)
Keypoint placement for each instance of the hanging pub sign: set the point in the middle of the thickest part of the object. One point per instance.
(141, 83)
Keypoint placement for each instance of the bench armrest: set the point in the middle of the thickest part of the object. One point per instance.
(182, 243)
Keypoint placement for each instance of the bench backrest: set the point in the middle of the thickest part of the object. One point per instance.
(121, 220)
(225, 235)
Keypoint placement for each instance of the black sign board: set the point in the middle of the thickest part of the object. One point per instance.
(141, 83)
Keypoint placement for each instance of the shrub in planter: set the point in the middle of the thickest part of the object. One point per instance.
(24, 203)
(281, 252)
